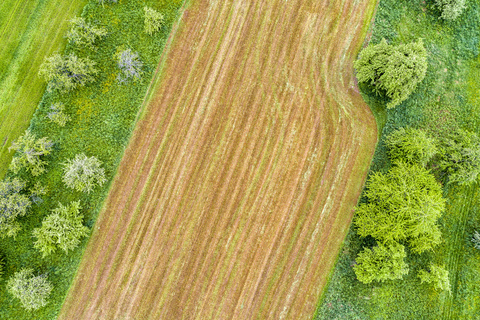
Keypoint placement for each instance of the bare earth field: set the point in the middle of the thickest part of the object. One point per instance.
(237, 188)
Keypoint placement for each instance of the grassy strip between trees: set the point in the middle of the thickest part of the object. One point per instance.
(29, 31)
(447, 98)
(102, 115)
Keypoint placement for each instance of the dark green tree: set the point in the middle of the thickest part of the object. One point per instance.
(392, 70)
(410, 145)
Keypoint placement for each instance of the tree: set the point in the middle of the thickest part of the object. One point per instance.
(82, 173)
(476, 239)
(129, 64)
(403, 205)
(33, 291)
(460, 156)
(102, 2)
(67, 73)
(84, 34)
(57, 116)
(410, 145)
(62, 228)
(392, 70)
(12, 204)
(451, 9)
(153, 20)
(29, 150)
(437, 276)
(383, 262)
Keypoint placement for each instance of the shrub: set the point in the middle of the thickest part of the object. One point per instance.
(410, 145)
(32, 291)
(383, 262)
(102, 2)
(57, 116)
(476, 240)
(63, 228)
(12, 205)
(437, 276)
(84, 34)
(451, 9)
(82, 173)
(129, 64)
(36, 191)
(29, 149)
(392, 70)
(67, 73)
(153, 20)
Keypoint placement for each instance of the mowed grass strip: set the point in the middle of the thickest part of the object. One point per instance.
(238, 185)
(29, 31)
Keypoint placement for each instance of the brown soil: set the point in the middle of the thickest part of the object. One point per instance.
(238, 186)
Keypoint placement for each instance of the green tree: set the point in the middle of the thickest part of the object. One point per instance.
(411, 145)
(153, 20)
(383, 262)
(82, 173)
(29, 150)
(67, 73)
(84, 34)
(12, 205)
(460, 156)
(57, 115)
(451, 9)
(62, 228)
(476, 239)
(403, 205)
(392, 70)
(33, 291)
(437, 276)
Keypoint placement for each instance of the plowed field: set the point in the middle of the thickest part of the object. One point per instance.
(237, 188)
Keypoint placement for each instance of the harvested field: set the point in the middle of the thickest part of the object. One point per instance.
(237, 188)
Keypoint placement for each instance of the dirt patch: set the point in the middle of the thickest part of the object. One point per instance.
(237, 189)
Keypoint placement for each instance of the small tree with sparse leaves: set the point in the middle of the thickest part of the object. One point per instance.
(153, 20)
(62, 228)
(82, 173)
(437, 276)
(33, 291)
(411, 145)
(65, 73)
(130, 65)
(56, 115)
(13, 204)
(476, 240)
(85, 34)
(29, 151)
(451, 9)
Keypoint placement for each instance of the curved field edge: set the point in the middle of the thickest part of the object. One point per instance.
(238, 185)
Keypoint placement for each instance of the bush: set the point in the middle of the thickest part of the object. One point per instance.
(84, 34)
(451, 9)
(67, 73)
(437, 276)
(63, 228)
(102, 2)
(83, 173)
(129, 64)
(476, 240)
(32, 291)
(29, 150)
(384, 262)
(57, 116)
(410, 145)
(153, 20)
(392, 70)
(12, 205)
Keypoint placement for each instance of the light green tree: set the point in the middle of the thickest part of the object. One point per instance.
(29, 149)
(403, 205)
(13, 204)
(451, 9)
(68, 72)
(83, 33)
(33, 291)
(410, 145)
(383, 262)
(437, 276)
(63, 229)
(57, 115)
(153, 20)
(82, 173)
(392, 70)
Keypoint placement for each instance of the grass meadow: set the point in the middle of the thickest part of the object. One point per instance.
(447, 98)
(29, 31)
(103, 115)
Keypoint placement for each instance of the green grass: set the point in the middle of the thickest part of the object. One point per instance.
(103, 116)
(447, 98)
(29, 31)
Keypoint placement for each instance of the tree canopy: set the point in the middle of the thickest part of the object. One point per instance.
(392, 70)
(82, 173)
(29, 150)
(450, 9)
(411, 145)
(33, 291)
(437, 276)
(83, 33)
(153, 20)
(13, 203)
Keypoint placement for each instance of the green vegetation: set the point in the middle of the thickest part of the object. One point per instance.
(153, 20)
(450, 9)
(437, 276)
(13, 204)
(85, 34)
(129, 64)
(102, 115)
(446, 100)
(33, 291)
(411, 145)
(57, 115)
(29, 150)
(82, 173)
